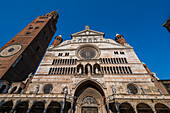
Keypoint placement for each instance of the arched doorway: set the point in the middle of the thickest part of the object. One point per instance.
(6, 107)
(89, 98)
(38, 107)
(21, 107)
(144, 108)
(126, 108)
(53, 107)
(161, 108)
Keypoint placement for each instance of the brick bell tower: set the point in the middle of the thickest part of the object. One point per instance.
(22, 54)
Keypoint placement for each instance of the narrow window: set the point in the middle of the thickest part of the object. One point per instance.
(122, 53)
(84, 40)
(111, 70)
(120, 69)
(50, 71)
(66, 54)
(116, 52)
(30, 28)
(60, 54)
(53, 62)
(117, 69)
(130, 70)
(28, 33)
(39, 21)
(37, 27)
(125, 60)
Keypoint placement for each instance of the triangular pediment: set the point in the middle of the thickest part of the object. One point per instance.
(87, 32)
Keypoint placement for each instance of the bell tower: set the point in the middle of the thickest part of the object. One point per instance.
(22, 54)
(120, 39)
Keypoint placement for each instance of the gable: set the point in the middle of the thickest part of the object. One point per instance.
(87, 32)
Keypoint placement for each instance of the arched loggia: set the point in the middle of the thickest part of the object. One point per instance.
(91, 91)
(126, 108)
(21, 107)
(53, 107)
(6, 107)
(37, 107)
(162, 108)
(144, 108)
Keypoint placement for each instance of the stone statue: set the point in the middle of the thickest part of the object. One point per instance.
(80, 71)
(65, 90)
(143, 90)
(113, 89)
(160, 91)
(96, 70)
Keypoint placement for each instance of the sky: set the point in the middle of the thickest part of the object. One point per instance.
(140, 21)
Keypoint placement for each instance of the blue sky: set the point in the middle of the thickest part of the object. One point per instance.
(140, 21)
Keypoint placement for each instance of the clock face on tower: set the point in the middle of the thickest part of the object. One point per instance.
(10, 50)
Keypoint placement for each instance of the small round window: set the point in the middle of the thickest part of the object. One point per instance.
(132, 89)
(48, 88)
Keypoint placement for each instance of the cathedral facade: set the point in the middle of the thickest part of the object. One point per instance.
(88, 74)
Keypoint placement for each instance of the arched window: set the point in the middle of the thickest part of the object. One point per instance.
(96, 68)
(2, 89)
(48, 88)
(80, 69)
(88, 68)
(13, 90)
(19, 90)
(132, 89)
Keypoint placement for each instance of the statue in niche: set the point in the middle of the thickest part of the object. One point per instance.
(88, 69)
(113, 89)
(29, 77)
(65, 90)
(160, 91)
(37, 89)
(96, 70)
(80, 71)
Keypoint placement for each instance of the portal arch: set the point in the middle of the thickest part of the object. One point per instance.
(89, 96)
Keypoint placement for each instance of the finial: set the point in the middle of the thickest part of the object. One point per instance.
(60, 35)
(87, 27)
(117, 34)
